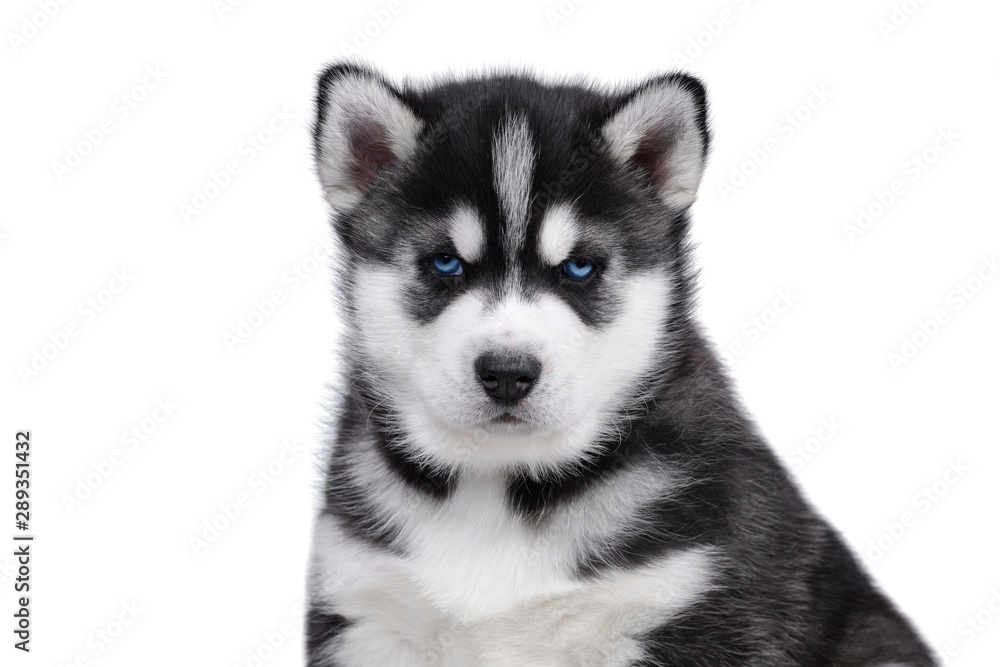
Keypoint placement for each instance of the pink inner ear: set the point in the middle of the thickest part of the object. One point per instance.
(372, 153)
(651, 158)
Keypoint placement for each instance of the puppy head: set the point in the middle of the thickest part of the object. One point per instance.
(515, 253)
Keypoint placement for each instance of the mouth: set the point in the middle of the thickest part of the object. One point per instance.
(507, 419)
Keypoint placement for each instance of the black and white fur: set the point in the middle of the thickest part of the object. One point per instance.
(625, 510)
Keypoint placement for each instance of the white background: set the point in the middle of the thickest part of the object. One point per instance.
(888, 90)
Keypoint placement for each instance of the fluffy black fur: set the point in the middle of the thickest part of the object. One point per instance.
(790, 592)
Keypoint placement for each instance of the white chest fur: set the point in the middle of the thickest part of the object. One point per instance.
(478, 586)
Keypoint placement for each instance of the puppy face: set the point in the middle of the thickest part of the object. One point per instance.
(511, 254)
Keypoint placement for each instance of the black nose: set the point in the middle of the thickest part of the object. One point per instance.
(507, 377)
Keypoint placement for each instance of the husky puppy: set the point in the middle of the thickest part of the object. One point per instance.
(538, 459)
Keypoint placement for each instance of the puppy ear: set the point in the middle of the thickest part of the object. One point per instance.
(363, 130)
(660, 133)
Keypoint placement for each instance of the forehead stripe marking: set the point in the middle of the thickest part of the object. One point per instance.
(513, 166)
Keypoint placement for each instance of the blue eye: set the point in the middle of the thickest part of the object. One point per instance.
(447, 265)
(577, 269)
